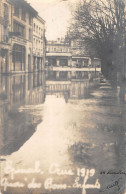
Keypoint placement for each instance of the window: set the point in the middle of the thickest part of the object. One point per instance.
(19, 28)
(34, 27)
(6, 16)
(16, 11)
(23, 16)
(37, 29)
(30, 34)
(30, 20)
(34, 42)
(41, 46)
(18, 54)
(41, 34)
(54, 49)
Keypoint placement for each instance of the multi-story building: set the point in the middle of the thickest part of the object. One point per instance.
(22, 36)
(38, 43)
(5, 27)
(58, 53)
(72, 53)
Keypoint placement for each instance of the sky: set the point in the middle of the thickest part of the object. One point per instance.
(56, 13)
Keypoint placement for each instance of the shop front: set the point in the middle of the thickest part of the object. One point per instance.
(19, 57)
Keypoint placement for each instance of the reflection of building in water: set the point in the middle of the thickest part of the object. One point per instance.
(36, 88)
(4, 88)
(79, 89)
(74, 85)
(17, 124)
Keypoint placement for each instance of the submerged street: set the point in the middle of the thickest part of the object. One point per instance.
(61, 133)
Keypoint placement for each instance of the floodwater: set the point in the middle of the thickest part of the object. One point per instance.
(61, 133)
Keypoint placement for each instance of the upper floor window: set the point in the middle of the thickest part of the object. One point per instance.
(30, 20)
(19, 29)
(30, 34)
(34, 27)
(34, 42)
(42, 33)
(23, 16)
(6, 16)
(16, 11)
(37, 29)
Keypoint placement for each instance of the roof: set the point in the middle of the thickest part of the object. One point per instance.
(9, 1)
(26, 5)
(41, 19)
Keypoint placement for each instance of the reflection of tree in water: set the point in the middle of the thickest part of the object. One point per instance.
(80, 152)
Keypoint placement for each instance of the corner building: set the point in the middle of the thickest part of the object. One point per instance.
(22, 36)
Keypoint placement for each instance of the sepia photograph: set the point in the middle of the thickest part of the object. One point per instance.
(62, 96)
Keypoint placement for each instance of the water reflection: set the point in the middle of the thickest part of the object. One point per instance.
(18, 126)
(70, 119)
(72, 85)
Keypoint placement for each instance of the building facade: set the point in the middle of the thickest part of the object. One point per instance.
(22, 44)
(5, 41)
(38, 43)
(58, 53)
(82, 56)
(71, 53)
(22, 37)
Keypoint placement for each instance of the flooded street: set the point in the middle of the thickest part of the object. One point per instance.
(61, 133)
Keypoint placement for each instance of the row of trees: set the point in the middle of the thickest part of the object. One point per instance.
(100, 24)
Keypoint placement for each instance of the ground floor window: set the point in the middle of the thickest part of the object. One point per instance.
(64, 62)
(19, 57)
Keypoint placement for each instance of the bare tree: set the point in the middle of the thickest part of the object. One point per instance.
(100, 24)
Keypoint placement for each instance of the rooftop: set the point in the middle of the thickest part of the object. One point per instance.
(26, 5)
